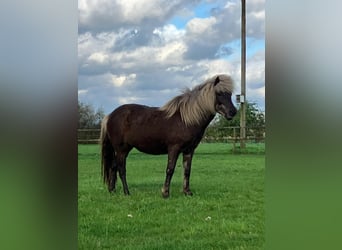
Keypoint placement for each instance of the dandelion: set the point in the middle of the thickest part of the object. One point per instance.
(129, 216)
(208, 218)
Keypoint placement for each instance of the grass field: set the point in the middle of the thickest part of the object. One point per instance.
(225, 212)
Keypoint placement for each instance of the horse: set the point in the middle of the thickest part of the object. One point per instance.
(175, 128)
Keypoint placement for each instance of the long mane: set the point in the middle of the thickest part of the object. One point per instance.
(197, 104)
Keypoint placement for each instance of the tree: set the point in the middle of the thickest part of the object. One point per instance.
(88, 117)
(254, 118)
(255, 123)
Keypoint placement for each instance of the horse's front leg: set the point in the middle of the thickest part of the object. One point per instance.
(172, 159)
(187, 159)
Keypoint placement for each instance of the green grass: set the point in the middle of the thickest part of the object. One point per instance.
(225, 212)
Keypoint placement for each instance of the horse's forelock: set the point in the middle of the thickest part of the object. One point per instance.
(225, 84)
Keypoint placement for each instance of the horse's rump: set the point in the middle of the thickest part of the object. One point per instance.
(139, 126)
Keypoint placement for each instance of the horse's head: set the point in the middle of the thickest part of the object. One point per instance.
(223, 103)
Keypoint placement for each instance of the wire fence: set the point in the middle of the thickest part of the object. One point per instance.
(232, 134)
(212, 135)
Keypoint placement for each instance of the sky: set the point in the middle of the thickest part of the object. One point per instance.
(147, 51)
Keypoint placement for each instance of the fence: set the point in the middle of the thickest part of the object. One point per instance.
(232, 134)
(212, 134)
(88, 136)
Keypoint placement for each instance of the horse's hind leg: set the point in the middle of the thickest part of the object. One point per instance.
(113, 176)
(121, 164)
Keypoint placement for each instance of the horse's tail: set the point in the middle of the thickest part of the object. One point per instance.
(107, 153)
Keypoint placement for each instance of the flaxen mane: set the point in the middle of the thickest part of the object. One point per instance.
(197, 104)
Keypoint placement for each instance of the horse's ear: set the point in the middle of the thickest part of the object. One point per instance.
(217, 80)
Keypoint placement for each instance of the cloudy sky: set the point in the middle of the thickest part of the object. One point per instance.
(146, 51)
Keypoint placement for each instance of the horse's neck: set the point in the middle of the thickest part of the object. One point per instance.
(206, 122)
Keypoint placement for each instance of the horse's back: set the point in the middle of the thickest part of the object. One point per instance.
(134, 114)
(123, 117)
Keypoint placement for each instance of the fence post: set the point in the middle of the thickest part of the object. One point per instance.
(234, 136)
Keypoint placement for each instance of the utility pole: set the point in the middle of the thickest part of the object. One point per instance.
(243, 77)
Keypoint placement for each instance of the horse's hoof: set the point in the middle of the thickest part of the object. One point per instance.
(165, 194)
(188, 193)
(111, 187)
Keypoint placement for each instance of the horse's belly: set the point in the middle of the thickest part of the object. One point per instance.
(150, 142)
(152, 149)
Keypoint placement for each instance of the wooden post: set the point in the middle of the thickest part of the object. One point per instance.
(243, 77)
(234, 136)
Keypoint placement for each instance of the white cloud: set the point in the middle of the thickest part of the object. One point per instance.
(230, 4)
(218, 66)
(122, 80)
(171, 53)
(142, 57)
(261, 91)
(169, 33)
(255, 75)
(179, 68)
(258, 14)
(95, 47)
(199, 26)
(136, 10)
(82, 91)
(104, 15)
(129, 99)
(129, 51)
(98, 57)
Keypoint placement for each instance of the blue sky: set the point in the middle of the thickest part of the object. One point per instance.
(148, 56)
(202, 10)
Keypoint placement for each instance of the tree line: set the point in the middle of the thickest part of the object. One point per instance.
(254, 118)
(88, 117)
(255, 124)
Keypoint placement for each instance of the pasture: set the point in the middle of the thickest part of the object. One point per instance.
(225, 212)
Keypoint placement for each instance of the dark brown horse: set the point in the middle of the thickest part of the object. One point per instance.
(175, 128)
